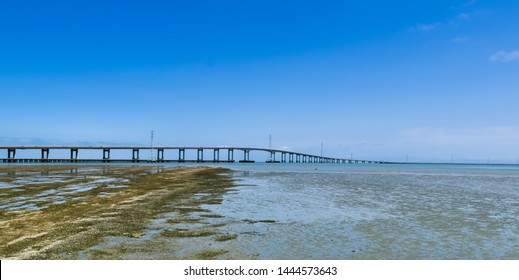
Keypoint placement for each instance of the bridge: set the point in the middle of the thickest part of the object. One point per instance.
(273, 155)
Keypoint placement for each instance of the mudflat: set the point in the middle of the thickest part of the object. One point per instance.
(111, 212)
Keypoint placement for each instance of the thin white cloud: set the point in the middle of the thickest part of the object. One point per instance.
(504, 56)
(464, 16)
(459, 40)
(470, 3)
(427, 27)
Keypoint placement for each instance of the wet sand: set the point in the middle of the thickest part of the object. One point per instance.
(111, 212)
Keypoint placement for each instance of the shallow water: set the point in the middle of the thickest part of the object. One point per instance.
(33, 190)
(375, 212)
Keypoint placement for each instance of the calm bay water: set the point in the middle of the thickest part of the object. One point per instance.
(374, 212)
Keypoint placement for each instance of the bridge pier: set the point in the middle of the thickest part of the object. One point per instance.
(44, 155)
(11, 154)
(272, 156)
(160, 155)
(106, 154)
(291, 158)
(73, 154)
(230, 155)
(200, 155)
(181, 155)
(135, 155)
(283, 157)
(246, 157)
(216, 155)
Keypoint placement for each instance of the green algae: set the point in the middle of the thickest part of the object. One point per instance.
(226, 237)
(184, 233)
(210, 254)
(95, 215)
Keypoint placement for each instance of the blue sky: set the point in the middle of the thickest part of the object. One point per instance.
(384, 80)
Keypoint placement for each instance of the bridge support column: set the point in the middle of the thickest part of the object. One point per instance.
(44, 155)
(246, 157)
(181, 154)
(160, 155)
(73, 154)
(11, 154)
(272, 156)
(298, 158)
(216, 155)
(283, 157)
(135, 155)
(200, 155)
(230, 154)
(290, 158)
(106, 154)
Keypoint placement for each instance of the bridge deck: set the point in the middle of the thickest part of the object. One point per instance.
(285, 156)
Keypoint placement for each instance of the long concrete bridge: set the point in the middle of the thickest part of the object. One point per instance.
(273, 155)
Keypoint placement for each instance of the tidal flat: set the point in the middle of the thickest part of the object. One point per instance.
(259, 211)
(112, 212)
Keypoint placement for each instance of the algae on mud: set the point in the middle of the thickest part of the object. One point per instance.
(105, 212)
